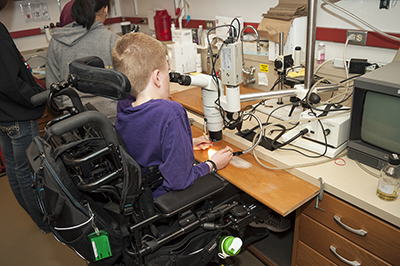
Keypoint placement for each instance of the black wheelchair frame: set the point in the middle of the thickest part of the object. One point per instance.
(211, 203)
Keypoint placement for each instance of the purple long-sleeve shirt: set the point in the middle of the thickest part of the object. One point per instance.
(158, 132)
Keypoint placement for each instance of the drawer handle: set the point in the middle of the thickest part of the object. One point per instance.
(360, 232)
(352, 263)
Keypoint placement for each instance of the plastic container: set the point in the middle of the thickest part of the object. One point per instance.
(389, 179)
(200, 35)
(199, 68)
(173, 31)
(162, 25)
(297, 56)
(321, 53)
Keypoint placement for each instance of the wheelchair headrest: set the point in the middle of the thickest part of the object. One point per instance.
(92, 77)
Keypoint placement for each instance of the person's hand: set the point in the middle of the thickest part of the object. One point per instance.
(201, 143)
(222, 157)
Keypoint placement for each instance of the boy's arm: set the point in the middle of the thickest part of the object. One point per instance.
(177, 154)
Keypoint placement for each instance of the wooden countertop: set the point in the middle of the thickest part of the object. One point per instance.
(279, 190)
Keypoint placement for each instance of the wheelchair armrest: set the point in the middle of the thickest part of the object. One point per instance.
(40, 98)
(175, 201)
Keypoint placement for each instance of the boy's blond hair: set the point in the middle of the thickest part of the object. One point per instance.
(137, 55)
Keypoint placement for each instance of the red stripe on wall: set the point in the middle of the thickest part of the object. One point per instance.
(112, 21)
(373, 39)
(193, 23)
(25, 33)
(322, 34)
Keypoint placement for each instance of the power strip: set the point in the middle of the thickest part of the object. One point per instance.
(338, 62)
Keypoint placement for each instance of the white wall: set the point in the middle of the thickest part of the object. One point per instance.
(251, 10)
(368, 10)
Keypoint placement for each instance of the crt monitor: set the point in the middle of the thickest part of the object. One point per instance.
(375, 116)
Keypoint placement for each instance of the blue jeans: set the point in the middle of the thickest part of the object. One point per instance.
(15, 138)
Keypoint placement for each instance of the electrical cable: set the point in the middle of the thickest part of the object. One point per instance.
(238, 22)
(254, 143)
(365, 169)
(353, 77)
(279, 146)
(319, 67)
(362, 21)
(350, 37)
(287, 167)
(267, 127)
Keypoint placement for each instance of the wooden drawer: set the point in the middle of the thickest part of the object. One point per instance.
(321, 239)
(381, 238)
(307, 256)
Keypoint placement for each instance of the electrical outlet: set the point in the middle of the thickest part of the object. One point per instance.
(145, 21)
(360, 37)
(209, 24)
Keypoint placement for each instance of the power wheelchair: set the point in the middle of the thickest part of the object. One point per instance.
(96, 198)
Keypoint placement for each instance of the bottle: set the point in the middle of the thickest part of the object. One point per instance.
(162, 25)
(200, 35)
(173, 32)
(389, 179)
(198, 64)
(297, 57)
(47, 32)
(321, 53)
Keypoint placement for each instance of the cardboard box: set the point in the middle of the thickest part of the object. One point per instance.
(297, 36)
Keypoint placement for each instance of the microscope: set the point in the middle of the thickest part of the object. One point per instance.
(221, 98)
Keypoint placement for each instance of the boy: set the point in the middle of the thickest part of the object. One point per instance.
(157, 131)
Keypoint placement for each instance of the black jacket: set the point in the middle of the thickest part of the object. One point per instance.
(17, 84)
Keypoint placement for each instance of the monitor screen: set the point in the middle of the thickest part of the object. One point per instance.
(380, 122)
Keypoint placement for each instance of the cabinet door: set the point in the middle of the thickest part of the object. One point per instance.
(324, 240)
(379, 237)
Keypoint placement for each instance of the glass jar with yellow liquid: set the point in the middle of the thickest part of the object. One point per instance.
(389, 179)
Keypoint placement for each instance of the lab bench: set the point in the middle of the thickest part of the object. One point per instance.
(349, 194)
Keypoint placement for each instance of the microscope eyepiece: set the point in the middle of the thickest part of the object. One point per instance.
(184, 80)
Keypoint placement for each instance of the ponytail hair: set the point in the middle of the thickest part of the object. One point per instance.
(3, 3)
(84, 11)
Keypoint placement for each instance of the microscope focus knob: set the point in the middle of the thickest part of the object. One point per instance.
(278, 64)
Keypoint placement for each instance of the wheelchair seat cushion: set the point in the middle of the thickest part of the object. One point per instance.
(174, 201)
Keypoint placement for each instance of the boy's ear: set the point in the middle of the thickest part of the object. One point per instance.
(155, 75)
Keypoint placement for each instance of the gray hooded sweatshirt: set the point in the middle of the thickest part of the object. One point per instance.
(72, 42)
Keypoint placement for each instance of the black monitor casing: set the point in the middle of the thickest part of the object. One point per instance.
(384, 80)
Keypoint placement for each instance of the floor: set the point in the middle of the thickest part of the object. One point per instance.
(22, 243)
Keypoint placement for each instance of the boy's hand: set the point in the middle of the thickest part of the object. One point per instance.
(222, 157)
(201, 143)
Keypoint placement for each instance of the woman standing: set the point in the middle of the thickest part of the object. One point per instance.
(86, 36)
(18, 122)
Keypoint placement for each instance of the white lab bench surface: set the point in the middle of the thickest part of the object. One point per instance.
(343, 178)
